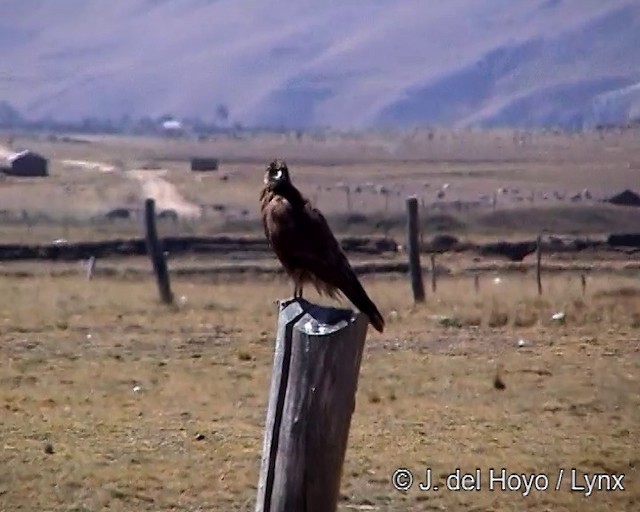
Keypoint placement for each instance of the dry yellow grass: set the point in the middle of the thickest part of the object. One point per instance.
(148, 408)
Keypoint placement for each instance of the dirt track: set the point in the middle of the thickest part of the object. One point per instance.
(153, 185)
(90, 165)
(5, 152)
(166, 195)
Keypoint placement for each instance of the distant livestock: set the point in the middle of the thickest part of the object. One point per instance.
(118, 213)
(169, 215)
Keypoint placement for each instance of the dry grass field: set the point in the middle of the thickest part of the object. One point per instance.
(538, 175)
(147, 408)
(110, 400)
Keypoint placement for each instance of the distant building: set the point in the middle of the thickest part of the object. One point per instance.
(200, 163)
(26, 163)
(625, 198)
(173, 128)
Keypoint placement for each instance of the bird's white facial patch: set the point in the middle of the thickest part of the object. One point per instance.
(273, 175)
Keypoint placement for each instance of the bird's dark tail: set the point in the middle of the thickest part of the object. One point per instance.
(354, 291)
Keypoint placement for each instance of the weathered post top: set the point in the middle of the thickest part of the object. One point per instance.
(317, 319)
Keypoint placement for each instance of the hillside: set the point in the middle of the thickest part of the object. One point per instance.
(350, 64)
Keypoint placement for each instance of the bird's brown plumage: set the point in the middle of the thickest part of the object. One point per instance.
(303, 242)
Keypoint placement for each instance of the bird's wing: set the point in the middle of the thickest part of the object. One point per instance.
(265, 200)
(300, 238)
(315, 248)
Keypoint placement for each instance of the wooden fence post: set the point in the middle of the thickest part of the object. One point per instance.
(434, 278)
(316, 366)
(583, 282)
(91, 267)
(539, 264)
(476, 283)
(155, 252)
(413, 248)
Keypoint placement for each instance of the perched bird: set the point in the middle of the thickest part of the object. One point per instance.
(303, 242)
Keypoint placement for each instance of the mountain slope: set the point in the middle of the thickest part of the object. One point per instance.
(356, 63)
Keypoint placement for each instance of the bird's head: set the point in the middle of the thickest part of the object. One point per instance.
(276, 175)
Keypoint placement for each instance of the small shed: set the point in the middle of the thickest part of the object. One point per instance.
(625, 198)
(203, 163)
(26, 163)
